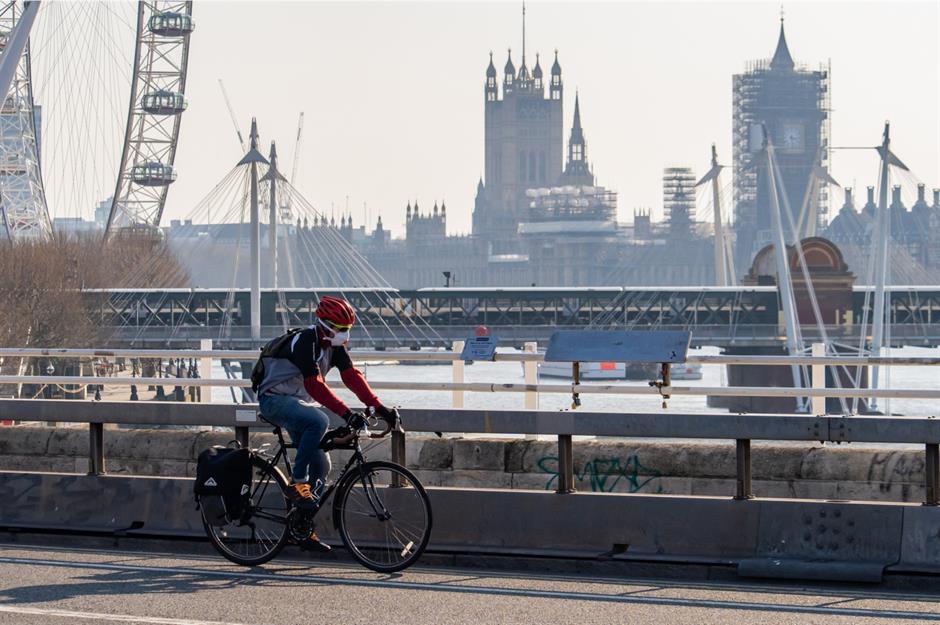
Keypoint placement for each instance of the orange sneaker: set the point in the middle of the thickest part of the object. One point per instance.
(300, 495)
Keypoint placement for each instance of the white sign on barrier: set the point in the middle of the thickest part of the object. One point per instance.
(245, 416)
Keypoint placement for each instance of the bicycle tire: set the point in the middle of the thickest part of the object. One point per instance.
(263, 476)
(409, 528)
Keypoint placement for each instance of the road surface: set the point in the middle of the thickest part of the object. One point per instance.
(58, 585)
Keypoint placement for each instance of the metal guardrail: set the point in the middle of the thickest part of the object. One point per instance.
(500, 387)
(741, 428)
(529, 359)
(703, 334)
(451, 356)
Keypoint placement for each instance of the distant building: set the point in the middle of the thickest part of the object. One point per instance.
(792, 104)
(536, 223)
(541, 218)
(103, 212)
(679, 201)
(69, 226)
(523, 146)
(577, 170)
(915, 233)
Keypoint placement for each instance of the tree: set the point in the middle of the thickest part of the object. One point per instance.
(42, 303)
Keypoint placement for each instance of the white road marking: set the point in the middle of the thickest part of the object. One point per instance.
(99, 616)
(487, 590)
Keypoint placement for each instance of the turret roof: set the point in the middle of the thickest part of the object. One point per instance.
(782, 60)
(491, 69)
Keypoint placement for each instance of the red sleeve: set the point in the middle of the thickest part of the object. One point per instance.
(354, 381)
(322, 393)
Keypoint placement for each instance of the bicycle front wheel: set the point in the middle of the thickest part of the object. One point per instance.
(383, 515)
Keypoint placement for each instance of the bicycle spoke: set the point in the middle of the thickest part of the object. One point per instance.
(368, 515)
(265, 529)
(417, 528)
(385, 527)
(261, 514)
(403, 536)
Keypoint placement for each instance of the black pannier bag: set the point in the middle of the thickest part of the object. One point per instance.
(223, 483)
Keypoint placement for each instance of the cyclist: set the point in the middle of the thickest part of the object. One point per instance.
(293, 376)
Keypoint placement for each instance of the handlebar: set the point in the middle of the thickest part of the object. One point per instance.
(389, 427)
(338, 438)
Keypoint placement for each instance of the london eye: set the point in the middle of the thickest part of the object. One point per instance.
(91, 120)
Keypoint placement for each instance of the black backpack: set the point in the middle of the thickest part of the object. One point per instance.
(270, 350)
(223, 483)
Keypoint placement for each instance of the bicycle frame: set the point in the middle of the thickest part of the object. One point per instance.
(357, 459)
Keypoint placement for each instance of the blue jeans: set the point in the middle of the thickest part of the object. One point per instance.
(306, 426)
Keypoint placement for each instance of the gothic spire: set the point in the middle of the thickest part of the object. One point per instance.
(576, 133)
(577, 171)
(556, 67)
(491, 69)
(510, 69)
(782, 60)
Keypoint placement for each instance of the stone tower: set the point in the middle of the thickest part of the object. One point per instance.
(791, 103)
(523, 144)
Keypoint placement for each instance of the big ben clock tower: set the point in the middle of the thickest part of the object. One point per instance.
(791, 103)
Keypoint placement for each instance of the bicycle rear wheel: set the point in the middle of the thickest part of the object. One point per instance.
(261, 532)
(383, 515)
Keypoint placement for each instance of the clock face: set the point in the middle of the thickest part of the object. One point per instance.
(792, 137)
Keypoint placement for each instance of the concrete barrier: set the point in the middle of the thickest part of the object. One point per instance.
(771, 538)
(920, 544)
(780, 470)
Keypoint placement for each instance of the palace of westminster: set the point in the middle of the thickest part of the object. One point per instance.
(541, 219)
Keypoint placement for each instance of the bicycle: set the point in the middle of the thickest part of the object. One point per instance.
(380, 509)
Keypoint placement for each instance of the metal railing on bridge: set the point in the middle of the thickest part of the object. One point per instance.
(718, 315)
(562, 424)
(529, 358)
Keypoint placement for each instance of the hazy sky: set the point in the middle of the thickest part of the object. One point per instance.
(393, 92)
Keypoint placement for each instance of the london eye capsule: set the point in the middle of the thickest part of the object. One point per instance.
(152, 174)
(171, 24)
(163, 103)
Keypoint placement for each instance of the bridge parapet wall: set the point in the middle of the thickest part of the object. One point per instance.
(780, 470)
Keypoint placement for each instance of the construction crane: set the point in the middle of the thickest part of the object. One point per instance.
(286, 213)
(297, 144)
(231, 112)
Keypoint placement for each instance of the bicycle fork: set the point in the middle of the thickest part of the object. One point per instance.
(368, 487)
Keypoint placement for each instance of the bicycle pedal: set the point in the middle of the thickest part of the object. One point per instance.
(315, 546)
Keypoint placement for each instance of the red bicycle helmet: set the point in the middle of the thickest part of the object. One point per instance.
(336, 311)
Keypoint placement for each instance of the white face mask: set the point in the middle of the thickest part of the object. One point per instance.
(338, 339)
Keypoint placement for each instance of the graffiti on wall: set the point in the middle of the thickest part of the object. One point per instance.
(605, 475)
(896, 469)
